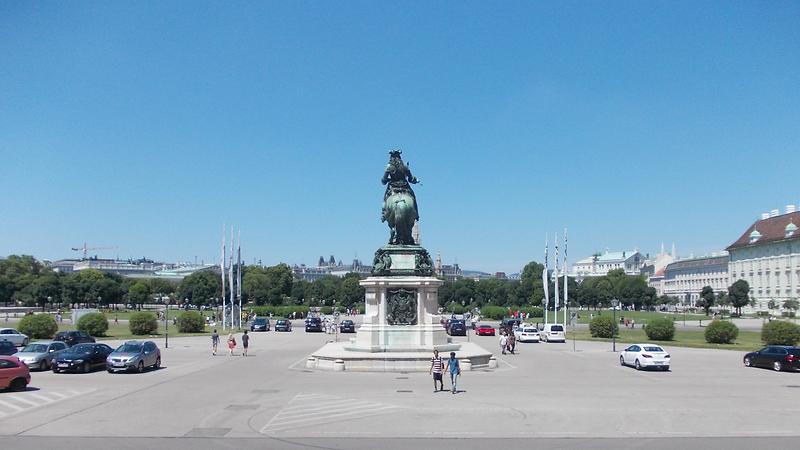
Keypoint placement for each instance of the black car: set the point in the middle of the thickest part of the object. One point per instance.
(347, 326)
(314, 324)
(7, 348)
(260, 324)
(82, 358)
(457, 328)
(283, 325)
(73, 337)
(775, 357)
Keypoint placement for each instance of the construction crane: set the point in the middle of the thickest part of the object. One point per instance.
(85, 249)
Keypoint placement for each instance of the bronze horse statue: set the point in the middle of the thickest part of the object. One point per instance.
(399, 202)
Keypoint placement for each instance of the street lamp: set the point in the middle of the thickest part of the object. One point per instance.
(166, 323)
(614, 303)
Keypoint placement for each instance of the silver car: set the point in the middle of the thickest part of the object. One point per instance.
(16, 338)
(39, 355)
(134, 355)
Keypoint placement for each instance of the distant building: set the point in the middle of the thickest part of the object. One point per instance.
(330, 268)
(767, 256)
(133, 268)
(686, 278)
(600, 264)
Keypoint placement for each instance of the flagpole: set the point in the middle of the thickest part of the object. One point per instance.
(555, 263)
(239, 273)
(566, 305)
(222, 270)
(545, 280)
(230, 278)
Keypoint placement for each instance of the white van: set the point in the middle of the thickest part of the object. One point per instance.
(553, 332)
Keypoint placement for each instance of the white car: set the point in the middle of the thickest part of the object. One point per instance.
(642, 356)
(553, 332)
(526, 334)
(14, 336)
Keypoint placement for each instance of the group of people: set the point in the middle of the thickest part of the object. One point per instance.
(438, 368)
(231, 342)
(508, 342)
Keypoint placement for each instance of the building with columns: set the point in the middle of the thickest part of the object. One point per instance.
(685, 279)
(767, 256)
(601, 263)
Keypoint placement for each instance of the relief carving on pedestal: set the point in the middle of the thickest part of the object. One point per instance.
(401, 307)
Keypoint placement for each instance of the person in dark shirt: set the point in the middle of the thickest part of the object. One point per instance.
(245, 343)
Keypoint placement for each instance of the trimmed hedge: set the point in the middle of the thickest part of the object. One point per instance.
(143, 323)
(660, 329)
(280, 311)
(603, 327)
(93, 324)
(38, 326)
(721, 332)
(191, 322)
(780, 332)
(493, 312)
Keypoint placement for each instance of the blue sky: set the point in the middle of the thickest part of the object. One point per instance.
(146, 125)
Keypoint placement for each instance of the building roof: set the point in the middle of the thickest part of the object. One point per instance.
(698, 263)
(609, 256)
(771, 229)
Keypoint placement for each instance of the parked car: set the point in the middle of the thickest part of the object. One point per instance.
(14, 336)
(260, 324)
(134, 355)
(81, 357)
(283, 325)
(552, 332)
(484, 330)
(642, 356)
(7, 348)
(313, 324)
(14, 374)
(347, 326)
(39, 355)
(457, 328)
(775, 357)
(509, 323)
(527, 334)
(72, 337)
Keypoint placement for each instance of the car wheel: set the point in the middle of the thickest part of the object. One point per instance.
(621, 361)
(55, 369)
(665, 368)
(637, 365)
(18, 385)
(747, 362)
(777, 366)
(110, 371)
(140, 367)
(157, 365)
(44, 365)
(86, 367)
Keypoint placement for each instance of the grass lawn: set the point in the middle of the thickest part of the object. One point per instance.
(694, 338)
(122, 331)
(639, 317)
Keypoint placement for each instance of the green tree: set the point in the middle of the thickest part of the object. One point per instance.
(200, 288)
(739, 293)
(707, 298)
(791, 305)
(46, 286)
(350, 292)
(301, 290)
(139, 292)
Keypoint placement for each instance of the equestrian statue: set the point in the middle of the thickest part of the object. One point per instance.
(399, 202)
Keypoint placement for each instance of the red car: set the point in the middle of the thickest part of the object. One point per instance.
(14, 373)
(484, 330)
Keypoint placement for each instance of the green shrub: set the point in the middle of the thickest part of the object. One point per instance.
(780, 332)
(38, 326)
(721, 332)
(603, 327)
(660, 329)
(143, 323)
(191, 322)
(534, 311)
(493, 312)
(787, 314)
(327, 310)
(93, 324)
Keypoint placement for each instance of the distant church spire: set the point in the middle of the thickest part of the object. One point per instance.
(674, 255)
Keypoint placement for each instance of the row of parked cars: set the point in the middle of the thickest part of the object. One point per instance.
(72, 351)
(312, 324)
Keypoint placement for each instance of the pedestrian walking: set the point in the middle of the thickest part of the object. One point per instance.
(503, 342)
(231, 344)
(437, 367)
(214, 342)
(455, 370)
(512, 343)
(245, 343)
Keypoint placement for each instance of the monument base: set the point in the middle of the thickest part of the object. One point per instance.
(335, 356)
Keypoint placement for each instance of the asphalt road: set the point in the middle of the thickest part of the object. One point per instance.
(547, 393)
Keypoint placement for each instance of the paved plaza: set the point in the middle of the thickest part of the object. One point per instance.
(547, 392)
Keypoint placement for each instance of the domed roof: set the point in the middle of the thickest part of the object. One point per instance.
(755, 234)
(791, 227)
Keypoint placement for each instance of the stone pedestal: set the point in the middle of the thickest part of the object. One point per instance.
(400, 316)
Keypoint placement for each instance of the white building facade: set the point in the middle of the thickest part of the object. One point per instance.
(600, 264)
(685, 279)
(767, 256)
